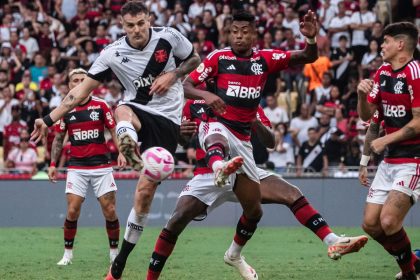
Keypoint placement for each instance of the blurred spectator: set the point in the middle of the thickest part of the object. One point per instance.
(339, 26)
(54, 91)
(81, 15)
(274, 113)
(57, 61)
(299, 125)
(46, 38)
(14, 42)
(47, 82)
(361, 24)
(290, 21)
(353, 154)
(30, 44)
(38, 71)
(11, 137)
(341, 59)
(334, 149)
(4, 81)
(282, 154)
(6, 104)
(158, 7)
(91, 51)
(326, 13)
(369, 57)
(206, 46)
(66, 9)
(199, 6)
(23, 158)
(311, 155)
(180, 23)
(101, 40)
(6, 24)
(220, 19)
(25, 85)
(377, 33)
(294, 73)
(113, 96)
(115, 30)
(316, 70)
(321, 93)
(326, 127)
(350, 98)
(31, 107)
(210, 26)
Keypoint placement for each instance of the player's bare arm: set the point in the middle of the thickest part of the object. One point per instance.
(308, 28)
(265, 135)
(410, 130)
(162, 84)
(215, 102)
(364, 108)
(121, 161)
(371, 134)
(72, 99)
(57, 147)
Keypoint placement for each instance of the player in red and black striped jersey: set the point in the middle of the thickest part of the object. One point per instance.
(240, 73)
(200, 196)
(88, 165)
(395, 93)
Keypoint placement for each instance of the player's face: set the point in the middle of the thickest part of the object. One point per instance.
(76, 80)
(389, 48)
(137, 29)
(242, 35)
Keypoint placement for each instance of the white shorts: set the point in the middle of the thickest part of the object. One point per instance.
(102, 181)
(236, 147)
(399, 177)
(202, 187)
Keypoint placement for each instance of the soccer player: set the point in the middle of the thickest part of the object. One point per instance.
(395, 93)
(144, 62)
(200, 196)
(88, 165)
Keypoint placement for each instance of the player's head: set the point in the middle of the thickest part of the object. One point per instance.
(400, 39)
(76, 77)
(136, 23)
(242, 32)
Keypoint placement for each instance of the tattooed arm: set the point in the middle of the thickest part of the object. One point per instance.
(121, 161)
(188, 65)
(57, 147)
(371, 134)
(410, 130)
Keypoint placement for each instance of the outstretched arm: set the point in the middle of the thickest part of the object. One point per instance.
(308, 28)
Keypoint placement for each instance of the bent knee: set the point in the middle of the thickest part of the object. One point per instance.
(390, 224)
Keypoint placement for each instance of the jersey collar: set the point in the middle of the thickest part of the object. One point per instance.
(140, 49)
(401, 68)
(243, 56)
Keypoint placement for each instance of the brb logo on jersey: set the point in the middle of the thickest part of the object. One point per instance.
(396, 111)
(243, 92)
(81, 135)
(141, 82)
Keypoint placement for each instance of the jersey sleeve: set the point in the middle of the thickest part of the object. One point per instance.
(374, 97)
(414, 84)
(206, 70)
(60, 126)
(186, 111)
(277, 60)
(376, 118)
(100, 67)
(109, 118)
(182, 48)
(262, 117)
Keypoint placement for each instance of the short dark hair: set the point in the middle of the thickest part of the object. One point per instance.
(403, 28)
(243, 15)
(343, 37)
(312, 129)
(133, 8)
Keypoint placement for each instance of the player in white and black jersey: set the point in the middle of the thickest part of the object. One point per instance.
(144, 62)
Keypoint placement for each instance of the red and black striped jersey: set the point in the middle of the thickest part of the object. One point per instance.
(85, 125)
(198, 111)
(396, 92)
(239, 82)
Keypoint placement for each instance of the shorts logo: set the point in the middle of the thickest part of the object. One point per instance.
(69, 185)
(186, 188)
(401, 184)
(113, 185)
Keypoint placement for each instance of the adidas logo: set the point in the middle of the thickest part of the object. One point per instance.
(73, 118)
(401, 183)
(231, 67)
(201, 111)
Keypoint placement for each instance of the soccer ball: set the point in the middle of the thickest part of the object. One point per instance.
(158, 164)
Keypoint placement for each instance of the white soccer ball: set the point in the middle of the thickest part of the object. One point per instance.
(158, 164)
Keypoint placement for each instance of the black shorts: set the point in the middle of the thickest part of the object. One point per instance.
(156, 131)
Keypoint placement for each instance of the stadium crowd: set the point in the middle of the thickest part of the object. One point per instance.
(312, 108)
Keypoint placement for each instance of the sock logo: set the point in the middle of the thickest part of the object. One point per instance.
(135, 227)
(246, 233)
(121, 130)
(154, 262)
(318, 221)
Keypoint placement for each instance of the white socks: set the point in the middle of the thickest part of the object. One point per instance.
(126, 127)
(68, 253)
(135, 224)
(330, 239)
(234, 250)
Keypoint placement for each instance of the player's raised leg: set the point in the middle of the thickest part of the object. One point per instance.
(127, 126)
(187, 208)
(74, 204)
(248, 194)
(107, 202)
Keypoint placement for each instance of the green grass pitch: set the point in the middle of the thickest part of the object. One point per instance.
(276, 253)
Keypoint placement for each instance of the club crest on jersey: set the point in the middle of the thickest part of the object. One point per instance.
(94, 116)
(257, 68)
(398, 87)
(161, 56)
